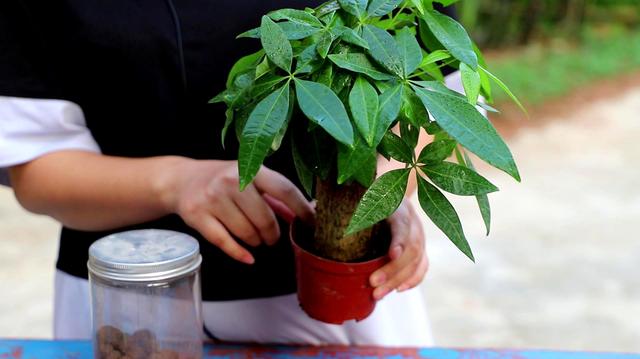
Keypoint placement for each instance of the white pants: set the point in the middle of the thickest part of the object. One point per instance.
(399, 319)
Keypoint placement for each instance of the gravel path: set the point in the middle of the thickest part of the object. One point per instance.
(28, 247)
(559, 270)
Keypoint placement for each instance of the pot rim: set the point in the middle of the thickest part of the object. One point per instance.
(333, 266)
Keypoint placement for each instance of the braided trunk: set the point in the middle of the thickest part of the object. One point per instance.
(335, 206)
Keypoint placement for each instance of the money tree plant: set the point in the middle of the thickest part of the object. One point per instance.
(354, 81)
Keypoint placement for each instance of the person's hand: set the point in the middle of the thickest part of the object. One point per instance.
(409, 261)
(206, 195)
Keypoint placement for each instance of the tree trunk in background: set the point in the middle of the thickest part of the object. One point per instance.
(574, 19)
(530, 20)
(334, 207)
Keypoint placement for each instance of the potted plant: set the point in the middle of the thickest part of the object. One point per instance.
(346, 82)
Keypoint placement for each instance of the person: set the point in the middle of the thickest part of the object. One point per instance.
(105, 126)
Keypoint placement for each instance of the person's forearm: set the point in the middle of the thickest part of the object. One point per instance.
(92, 192)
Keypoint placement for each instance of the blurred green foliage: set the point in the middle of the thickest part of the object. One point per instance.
(540, 72)
(500, 23)
(547, 48)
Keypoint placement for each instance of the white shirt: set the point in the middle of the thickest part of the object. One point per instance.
(30, 128)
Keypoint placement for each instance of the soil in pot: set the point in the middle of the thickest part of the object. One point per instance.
(381, 239)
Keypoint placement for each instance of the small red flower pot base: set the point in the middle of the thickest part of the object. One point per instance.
(329, 291)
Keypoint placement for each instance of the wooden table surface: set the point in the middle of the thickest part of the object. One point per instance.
(36, 349)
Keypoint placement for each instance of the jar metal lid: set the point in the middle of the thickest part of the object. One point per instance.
(148, 255)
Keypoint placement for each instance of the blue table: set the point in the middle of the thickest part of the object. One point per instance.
(37, 349)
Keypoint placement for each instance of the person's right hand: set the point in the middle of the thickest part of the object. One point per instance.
(206, 195)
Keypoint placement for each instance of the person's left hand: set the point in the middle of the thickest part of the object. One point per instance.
(409, 261)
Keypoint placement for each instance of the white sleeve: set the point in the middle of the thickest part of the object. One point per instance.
(30, 128)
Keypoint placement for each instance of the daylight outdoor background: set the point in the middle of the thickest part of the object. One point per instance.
(560, 268)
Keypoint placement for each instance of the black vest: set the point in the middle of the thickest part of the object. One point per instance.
(145, 95)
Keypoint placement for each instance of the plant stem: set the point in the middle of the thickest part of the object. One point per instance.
(334, 209)
(393, 20)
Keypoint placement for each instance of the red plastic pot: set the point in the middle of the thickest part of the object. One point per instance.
(329, 291)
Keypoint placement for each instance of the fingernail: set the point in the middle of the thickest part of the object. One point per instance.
(378, 279)
(248, 259)
(379, 293)
(402, 288)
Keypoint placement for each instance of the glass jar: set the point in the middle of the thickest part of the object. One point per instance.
(145, 294)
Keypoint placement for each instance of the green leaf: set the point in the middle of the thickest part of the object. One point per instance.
(341, 83)
(395, 147)
(484, 79)
(275, 44)
(433, 128)
(244, 64)
(382, 7)
(257, 136)
(436, 86)
(292, 30)
(380, 201)
(410, 134)
(482, 199)
(443, 215)
(413, 108)
(359, 63)
(318, 149)
(459, 157)
(265, 85)
(383, 48)
(434, 71)
(309, 60)
(457, 179)
(465, 124)
(323, 107)
(263, 68)
(238, 94)
(446, 2)
(504, 87)
(228, 121)
(359, 162)
(389, 102)
(305, 175)
(453, 36)
(429, 40)
(366, 173)
(470, 82)
(327, 8)
(325, 76)
(279, 137)
(240, 118)
(418, 5)
(398, 21)
(297, 16)
(410, 51)
(219, 97)
(437, 151)
(250, 34)
(350, 36)
(324, 43)
(297, 31)
(434, 57)
(487, 107)
(363, 102)
(357, 8)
